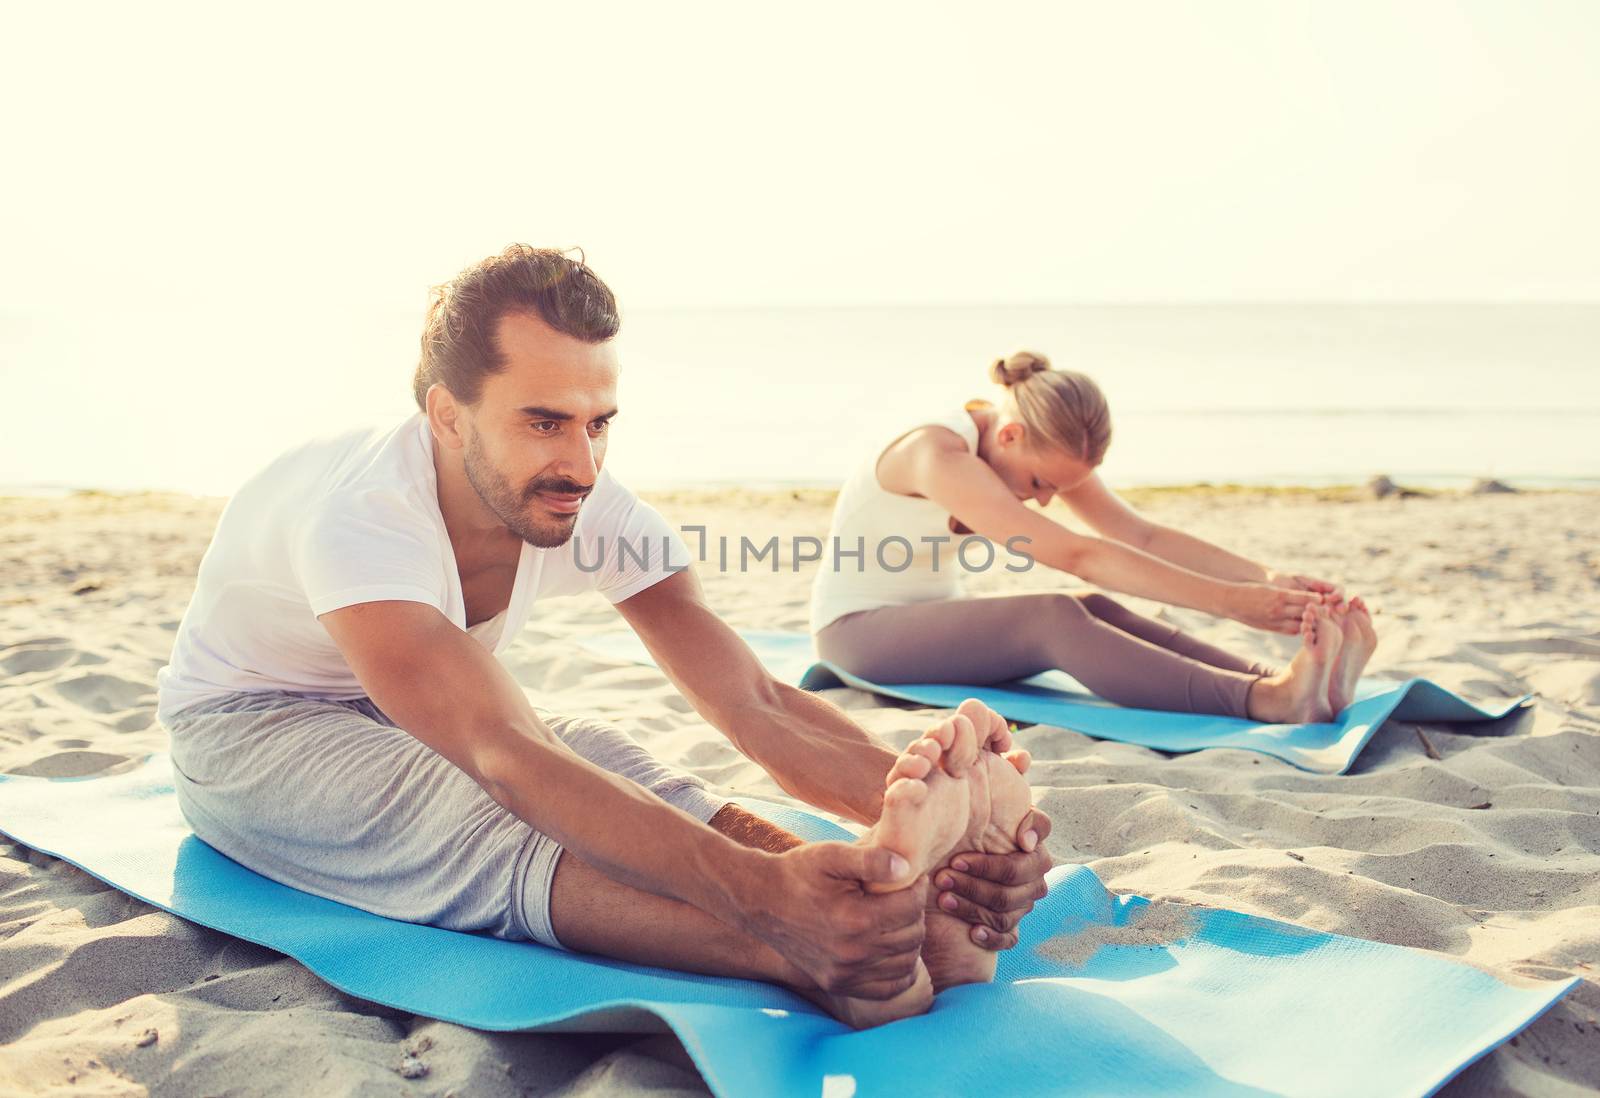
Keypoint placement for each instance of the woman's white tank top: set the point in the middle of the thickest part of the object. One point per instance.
(885, 549)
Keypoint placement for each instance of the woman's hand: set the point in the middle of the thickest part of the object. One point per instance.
(1264, 606)
(1296, 582)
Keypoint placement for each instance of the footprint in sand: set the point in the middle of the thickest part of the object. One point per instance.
(71, 764)
(136, 721)
(1575, 682)
(44, 654)
(104, 693)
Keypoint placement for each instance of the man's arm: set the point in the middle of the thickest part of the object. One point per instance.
(813, 750)
(808, 745)
(445, 689)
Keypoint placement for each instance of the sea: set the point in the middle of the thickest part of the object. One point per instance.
(1431, 395)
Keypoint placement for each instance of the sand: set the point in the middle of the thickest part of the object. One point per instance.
(1481, 843)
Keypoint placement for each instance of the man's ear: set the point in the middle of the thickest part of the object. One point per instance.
(444, 416)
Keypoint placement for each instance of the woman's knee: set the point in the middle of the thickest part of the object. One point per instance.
(1106, 609)
(1063, 610)
(1054, 626)
(840, 643)
(853, 645)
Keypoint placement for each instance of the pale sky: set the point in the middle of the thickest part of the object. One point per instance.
(218, 224)
(296, 156)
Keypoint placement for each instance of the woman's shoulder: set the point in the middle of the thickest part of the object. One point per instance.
(895, 468)
(964, 427)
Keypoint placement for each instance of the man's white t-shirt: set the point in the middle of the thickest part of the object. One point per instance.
(355, 518)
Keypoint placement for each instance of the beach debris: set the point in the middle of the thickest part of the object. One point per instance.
(1488, 486)
(411, 1063)
(1296, 857)
(86, 587)
(1382, 487)
(147, 1038)
(1485, 804)
(1427, 744)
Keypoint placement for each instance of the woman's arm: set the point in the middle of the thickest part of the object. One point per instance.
(1109, 515)
(975, 495)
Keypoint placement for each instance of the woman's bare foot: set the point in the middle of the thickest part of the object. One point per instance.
(1300, 694)
(930, 816)
(1360, 639)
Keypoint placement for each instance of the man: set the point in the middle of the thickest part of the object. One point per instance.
(339, 721)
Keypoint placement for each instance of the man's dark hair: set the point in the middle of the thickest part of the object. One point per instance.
(458, 344)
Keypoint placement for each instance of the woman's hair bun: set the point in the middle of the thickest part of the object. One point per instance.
(1019, 367)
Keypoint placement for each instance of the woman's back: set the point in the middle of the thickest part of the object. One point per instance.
(887, 549)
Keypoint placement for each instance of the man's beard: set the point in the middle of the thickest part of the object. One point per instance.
(511, 506)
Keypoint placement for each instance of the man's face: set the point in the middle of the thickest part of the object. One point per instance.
(535, 441)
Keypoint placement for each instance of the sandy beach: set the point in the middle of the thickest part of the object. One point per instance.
(1481, 843)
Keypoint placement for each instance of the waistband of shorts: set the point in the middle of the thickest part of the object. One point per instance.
(249, 701)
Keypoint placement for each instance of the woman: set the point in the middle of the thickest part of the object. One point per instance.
(974, 473)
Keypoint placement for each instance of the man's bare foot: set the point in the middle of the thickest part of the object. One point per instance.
(1360, 639)
(929, 817)
(1300, 694)
(928, 809)
(866, 1013)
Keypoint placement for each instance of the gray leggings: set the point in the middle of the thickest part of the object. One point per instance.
(1121, 656)
(333, 798)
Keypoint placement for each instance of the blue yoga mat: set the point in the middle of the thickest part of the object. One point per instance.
(1057, 699)
(1104, 995)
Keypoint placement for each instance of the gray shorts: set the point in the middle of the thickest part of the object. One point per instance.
(333, 798)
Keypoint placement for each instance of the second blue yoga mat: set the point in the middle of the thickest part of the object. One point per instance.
(1056, 699)
(1105, 995)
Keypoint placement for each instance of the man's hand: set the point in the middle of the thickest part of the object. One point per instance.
(816, 911)
(1296, 582)
(994, 891)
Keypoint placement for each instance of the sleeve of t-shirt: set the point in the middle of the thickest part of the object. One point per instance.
(640, 547)
(367, 547)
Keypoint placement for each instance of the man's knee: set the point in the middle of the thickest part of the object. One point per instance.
(612, 749)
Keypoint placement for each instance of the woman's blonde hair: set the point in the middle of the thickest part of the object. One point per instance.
(1061, 409)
